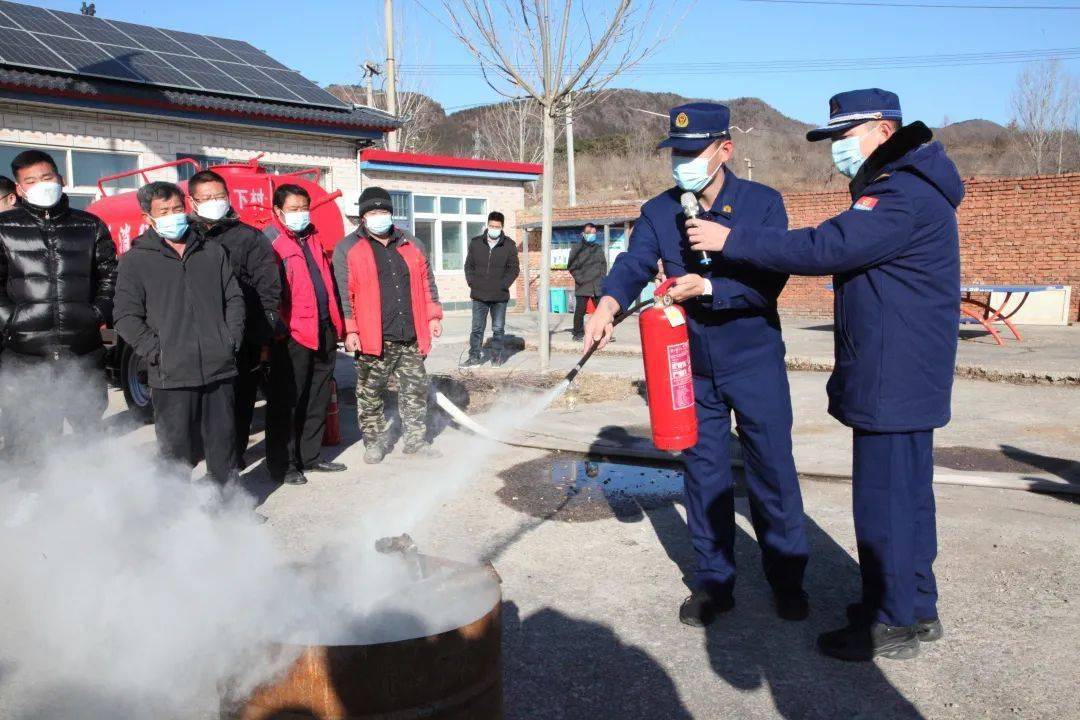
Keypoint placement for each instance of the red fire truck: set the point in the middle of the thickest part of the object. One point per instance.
(251, 189)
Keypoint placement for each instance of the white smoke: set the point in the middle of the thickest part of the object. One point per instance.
(129, 591)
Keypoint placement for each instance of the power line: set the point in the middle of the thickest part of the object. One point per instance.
(799, 65)
(956, 6)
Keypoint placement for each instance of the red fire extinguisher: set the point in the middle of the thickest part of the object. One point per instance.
(332, 433)
(665, 350)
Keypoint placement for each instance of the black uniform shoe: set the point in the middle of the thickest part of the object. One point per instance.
(702, 607)
(471, 361)
(578, 338)
(326, 466)
(862, 643)
(294, 477)
(928, 629)
(792, 604)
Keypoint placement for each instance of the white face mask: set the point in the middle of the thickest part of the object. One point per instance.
(494, 233)
(297, 221)
(212, 209)
(44, 194)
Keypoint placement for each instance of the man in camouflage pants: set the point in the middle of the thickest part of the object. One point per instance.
(392, 312)
(403, 361)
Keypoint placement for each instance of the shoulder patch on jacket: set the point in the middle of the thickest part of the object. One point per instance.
(865, 203)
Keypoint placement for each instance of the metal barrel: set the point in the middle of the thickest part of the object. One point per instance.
(454, 675)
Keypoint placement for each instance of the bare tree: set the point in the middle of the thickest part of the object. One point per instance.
(1040, 109)
(512, 131)
(530, 48)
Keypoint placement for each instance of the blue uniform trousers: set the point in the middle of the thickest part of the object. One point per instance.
(761, 400)
(895, 529)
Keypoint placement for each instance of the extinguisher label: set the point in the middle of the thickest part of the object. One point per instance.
(682, 380)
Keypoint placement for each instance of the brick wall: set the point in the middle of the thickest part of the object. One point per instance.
(1018, 230)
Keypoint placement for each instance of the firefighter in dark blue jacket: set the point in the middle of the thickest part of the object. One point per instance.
(895, 260)
(737, 357)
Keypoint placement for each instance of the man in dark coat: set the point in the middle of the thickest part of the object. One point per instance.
(894, 255)
(57, 272)
(491, 267)
(588, 266)
(256, 269)
(179, 306)
(736, 356)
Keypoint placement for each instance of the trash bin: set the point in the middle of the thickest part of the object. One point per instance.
(558, 300)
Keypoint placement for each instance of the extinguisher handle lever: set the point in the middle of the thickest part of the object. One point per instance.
(662, 290)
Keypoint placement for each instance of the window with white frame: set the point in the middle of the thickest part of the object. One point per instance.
(443, 224)
(82, 169)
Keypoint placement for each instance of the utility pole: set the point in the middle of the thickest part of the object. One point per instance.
(749, 163)
(391, 73)
(370, 71)
(571, 178)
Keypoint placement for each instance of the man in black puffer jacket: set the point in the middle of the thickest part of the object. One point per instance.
(256, 269)
(57, 272)
(179, 306)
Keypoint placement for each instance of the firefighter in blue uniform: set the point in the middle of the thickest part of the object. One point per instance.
(895, 260)
(737, 357)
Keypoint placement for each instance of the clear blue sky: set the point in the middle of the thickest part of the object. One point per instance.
(327, 39)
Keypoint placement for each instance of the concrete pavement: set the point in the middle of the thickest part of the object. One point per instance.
(1048, 354)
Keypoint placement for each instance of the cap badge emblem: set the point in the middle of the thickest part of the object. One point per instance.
(681, 120)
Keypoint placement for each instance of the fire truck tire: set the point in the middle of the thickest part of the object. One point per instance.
(137, 393)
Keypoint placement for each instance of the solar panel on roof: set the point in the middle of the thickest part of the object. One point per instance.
(66, 42)
(201, 46)
(86, 57)
(303, 87)
(18, 47)
(248, 53)
(205, 74)
(149, 66)
(149, 37)
(38, 19)
(259, 83)
(94, 28)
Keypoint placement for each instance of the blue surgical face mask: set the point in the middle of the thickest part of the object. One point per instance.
(298, 220)
(847, 156)
(589, 237)
(379, 223)
(171, 227)
(494, 233)
(693, 173)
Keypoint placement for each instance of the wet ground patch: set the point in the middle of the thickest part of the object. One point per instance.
(572, 488)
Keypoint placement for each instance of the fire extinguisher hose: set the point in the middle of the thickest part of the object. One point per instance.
(622, 315)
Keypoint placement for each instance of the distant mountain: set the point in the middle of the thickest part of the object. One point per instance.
(615, 133)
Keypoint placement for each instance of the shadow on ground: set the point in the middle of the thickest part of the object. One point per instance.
(750, 649)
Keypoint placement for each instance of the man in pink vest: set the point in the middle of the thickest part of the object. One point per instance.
(392, 312)
(304, 351)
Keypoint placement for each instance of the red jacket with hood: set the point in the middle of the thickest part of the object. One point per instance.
(299, 307)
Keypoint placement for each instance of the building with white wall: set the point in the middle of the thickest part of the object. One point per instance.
(444, 201)
(106, 96)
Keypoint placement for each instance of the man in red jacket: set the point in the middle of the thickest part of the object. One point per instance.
(392, 312)
(302, 356)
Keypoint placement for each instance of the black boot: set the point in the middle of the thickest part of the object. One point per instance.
(928, 629)
(862, 643)
(702, 607)
(791, 604)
